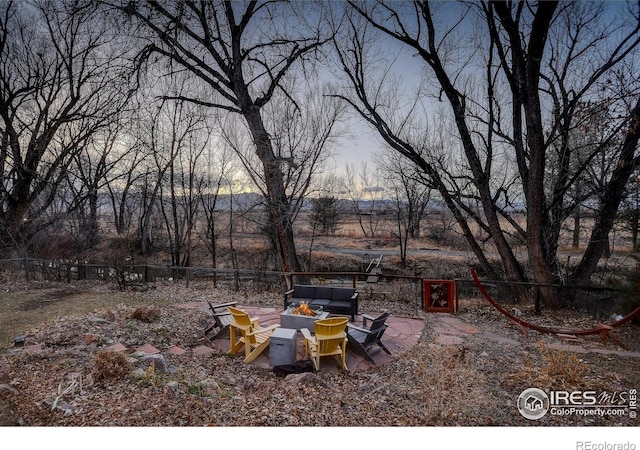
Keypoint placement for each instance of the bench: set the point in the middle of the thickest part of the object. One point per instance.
(335, 300)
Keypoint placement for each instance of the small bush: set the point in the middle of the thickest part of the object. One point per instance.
(110, 365)
(551, 369)
(145, 314)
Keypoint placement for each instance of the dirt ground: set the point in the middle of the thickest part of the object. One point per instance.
(72, 381)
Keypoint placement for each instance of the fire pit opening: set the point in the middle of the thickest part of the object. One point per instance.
(304, 310)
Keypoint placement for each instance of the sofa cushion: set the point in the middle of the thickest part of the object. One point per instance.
(320, 302)
(342, 294)
(304, 292)
(323, 292)
(341, 305)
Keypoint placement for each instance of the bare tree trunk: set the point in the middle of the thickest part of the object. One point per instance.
(148, 210)
(614, 193)
(277, 202)
(575, 243)
(635, 223)
(91, 233)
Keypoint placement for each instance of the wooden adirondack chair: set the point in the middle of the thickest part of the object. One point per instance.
(330, 340)
(246, 331)
(368, 335)
(222, 319)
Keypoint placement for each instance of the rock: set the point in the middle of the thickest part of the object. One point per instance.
(158, 361)
(6, 387)
(97, 320)
(230, 381)
(305, 378)
(65, 408)
(371, 388)
(172, 388)
(60, 405)
(211, 384)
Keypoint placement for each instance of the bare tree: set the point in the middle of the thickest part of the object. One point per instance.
(304, 133)
(535, 58)
(180, 187)
(62, 77)
(176, 139)
(589, 152)
(153, 174)
(630, 212)
(243, 52)
(410, 194)
(120, 186)
(86, 178)
(130, 155)
(364, 191)
(218, 181)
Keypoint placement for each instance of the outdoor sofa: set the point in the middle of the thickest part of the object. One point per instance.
(335, 300)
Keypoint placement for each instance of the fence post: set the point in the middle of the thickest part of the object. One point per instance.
(288, 279)
(537, 310)
(424, 307)
(26, 269)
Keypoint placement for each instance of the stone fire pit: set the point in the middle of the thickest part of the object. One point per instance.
(288, 319)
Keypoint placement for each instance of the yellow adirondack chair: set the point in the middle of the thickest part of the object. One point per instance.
(330, 339)
(246, 331)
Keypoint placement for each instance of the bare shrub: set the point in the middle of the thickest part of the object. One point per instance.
(447, 238)
(49, 244)
(145, 314)
(551, 369)
(110, 365)
(386, 240)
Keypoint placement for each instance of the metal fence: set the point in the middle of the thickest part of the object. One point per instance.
(133, 274)
(598, 302)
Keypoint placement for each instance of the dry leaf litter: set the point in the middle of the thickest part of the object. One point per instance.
(72, 381)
